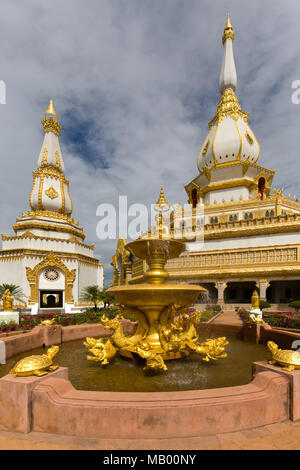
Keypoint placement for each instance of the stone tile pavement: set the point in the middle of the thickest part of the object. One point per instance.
(279, 436)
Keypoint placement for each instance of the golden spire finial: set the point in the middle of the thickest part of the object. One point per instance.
(50, 109)
(162, 204)
(228, 31)
(50, 122)
(228, 24)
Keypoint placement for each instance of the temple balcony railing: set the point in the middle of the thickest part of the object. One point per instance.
(235, 257)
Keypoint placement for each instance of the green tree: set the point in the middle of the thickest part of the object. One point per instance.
(16, 292)
(295, 304)
(107, 298)
(92, 294)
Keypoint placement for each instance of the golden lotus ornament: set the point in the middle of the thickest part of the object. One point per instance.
(165, 330)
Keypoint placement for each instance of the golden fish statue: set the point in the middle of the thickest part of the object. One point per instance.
(36, 365)
(7, 301)
(288, 359)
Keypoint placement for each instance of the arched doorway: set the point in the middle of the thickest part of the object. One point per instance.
(239, 292)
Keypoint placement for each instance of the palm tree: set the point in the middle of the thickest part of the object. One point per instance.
(16, 291)
(107, 298)
(92, 294)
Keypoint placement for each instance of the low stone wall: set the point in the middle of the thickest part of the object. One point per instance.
(55, 334)
(262, 333)
(39, 403)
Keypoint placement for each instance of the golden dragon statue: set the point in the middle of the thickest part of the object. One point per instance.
(178, 337)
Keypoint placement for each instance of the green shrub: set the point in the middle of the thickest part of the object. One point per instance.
(264, 304)
(295, 304)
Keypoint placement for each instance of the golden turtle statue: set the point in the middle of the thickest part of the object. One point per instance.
(288, 359)
(36, 365)
(48, 322)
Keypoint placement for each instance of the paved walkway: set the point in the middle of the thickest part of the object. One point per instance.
(228, 316)
(280, 436)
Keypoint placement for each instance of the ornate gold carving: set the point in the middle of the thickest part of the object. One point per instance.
(205, 148)
(51, 172)
(51, 193)
(40, 192)
(45, 226)
(52, 215)
(228, 34)
(30, 195)
(249, 138)
(33, 277)
(51, 125)
(228, 106)
(68, 192)
(58, 160)
(63, 200)
(44, 157)
(30, 235)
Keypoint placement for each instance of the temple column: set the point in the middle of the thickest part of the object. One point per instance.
(263, 284)
(128, 272)
(221, 286)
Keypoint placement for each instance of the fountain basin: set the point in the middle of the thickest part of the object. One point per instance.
(158, 296)
(39, 403)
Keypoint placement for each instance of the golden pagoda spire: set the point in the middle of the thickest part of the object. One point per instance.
(50, 123)
(162, 205)
(228, 31)
(50, 109)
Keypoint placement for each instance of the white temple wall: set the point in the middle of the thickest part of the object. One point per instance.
(89, 275)
(46, 245)
(227, 194)
(256, 241)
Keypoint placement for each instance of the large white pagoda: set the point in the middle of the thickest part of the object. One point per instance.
(47, 256)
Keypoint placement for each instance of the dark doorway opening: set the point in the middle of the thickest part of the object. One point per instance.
(51, 299)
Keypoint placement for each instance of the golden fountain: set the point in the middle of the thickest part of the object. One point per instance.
(165, 329)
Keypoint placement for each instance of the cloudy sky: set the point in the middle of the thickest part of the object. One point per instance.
(135, 83)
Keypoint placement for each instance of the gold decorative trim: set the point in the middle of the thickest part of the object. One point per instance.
(249, 138)
(30, 195)
(40, 192)
(68, 192)
(45, 226)
(36, 253)
(49, 171)
(44, 157)
(51, 193)
(58, 160)
(63, 201)
(51, 125)
(30, 235)
(238, 157)
(228, 34)
(206, 147)
(33, 277)
(228, 106)
(51, 215)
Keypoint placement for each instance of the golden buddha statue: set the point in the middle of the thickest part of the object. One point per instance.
(255, 300)
(7, 301)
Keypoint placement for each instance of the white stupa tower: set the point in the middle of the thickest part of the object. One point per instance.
(47, 256)
(227, 162)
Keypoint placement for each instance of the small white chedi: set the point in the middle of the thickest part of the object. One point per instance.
(47, 257)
